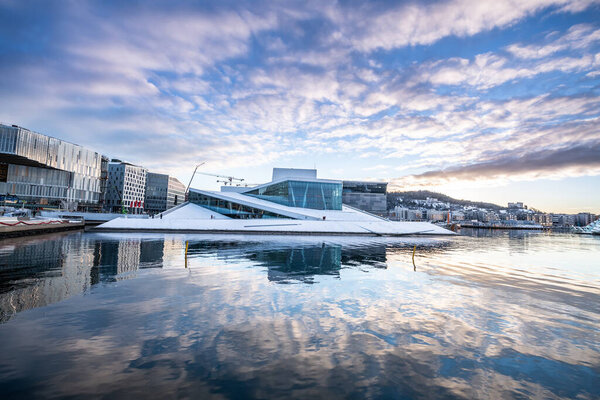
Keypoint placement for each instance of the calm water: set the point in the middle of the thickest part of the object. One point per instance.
(502, 315)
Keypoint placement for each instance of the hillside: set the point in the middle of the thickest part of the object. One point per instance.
(407, 197)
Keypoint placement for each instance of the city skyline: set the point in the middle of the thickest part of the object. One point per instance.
(492, 102)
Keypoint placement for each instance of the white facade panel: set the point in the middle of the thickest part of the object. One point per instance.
(290, 173)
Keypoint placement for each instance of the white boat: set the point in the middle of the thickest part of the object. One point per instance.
(590, 229)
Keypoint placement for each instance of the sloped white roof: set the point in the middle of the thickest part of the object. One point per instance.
(280, 226)
(194, 218)
(192, 211)
(346, 214)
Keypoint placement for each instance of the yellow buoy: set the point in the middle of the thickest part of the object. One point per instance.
(186, 251)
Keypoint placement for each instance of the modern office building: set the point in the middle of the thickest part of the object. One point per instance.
(103, 181)
(42, 170)
(366, 196)
(126, 187)
(583, 219)
(162, 192)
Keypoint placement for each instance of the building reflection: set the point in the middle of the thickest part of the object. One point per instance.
(302, 263)
(44, 270)
(469, 326)
(518, 240)
(35, 272)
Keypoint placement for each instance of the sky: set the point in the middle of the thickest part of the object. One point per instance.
(486, 100)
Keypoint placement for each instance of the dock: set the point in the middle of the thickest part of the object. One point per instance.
(90, 218)
(14, 228)
(501, 226)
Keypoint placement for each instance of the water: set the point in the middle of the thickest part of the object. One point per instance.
(489, 315)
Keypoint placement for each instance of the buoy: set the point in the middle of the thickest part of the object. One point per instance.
(186, 251)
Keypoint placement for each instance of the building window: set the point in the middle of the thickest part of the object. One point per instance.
(315, 195)
(231, 209)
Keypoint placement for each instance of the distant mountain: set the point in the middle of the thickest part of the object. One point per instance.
(393, 199)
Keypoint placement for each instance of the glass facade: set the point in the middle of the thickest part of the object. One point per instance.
(365, 187)
(230, 209)
(176, 192)
(156, 192)
(46, 170)
(303, 194)
(366, 196)
(163, 192)
(126, 187)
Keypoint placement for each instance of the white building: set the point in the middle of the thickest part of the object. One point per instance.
(126, 187)
(457, 216)
(293, 203)
(434, 215)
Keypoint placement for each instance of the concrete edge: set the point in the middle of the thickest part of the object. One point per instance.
(255, 232)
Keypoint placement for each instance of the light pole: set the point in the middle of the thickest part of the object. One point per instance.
(192, 178)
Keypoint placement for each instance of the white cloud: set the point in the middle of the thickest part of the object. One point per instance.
(489, 70)
(188, 85)
(577, 37)
(426, 23)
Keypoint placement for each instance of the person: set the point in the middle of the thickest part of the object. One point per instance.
(160, 215)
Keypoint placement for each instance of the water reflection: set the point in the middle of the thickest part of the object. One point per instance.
(298, 262)
(301, 264)
(38, 271)
(481, 318)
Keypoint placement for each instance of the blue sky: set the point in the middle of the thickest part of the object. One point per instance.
(489, 100)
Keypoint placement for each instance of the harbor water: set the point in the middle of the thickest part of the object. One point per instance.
(487, 314)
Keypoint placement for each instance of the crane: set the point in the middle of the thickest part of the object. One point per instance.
(229, 179)
(123, 210)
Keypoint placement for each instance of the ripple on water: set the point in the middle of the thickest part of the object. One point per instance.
(494, 314)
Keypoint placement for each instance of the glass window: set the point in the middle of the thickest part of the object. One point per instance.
(230, 209)
(315, 195)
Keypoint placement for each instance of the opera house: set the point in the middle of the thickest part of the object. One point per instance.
(294, 202)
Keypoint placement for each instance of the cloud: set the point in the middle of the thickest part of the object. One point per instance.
(413, 24)
(488, 70)
(576, 160)
(251, 84)
(577, 37)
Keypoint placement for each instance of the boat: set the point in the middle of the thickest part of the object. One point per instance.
(590, 229)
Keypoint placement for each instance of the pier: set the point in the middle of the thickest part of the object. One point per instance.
(15, 227)
(504, 226)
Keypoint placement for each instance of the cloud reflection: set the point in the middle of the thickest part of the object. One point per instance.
(461, 326)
